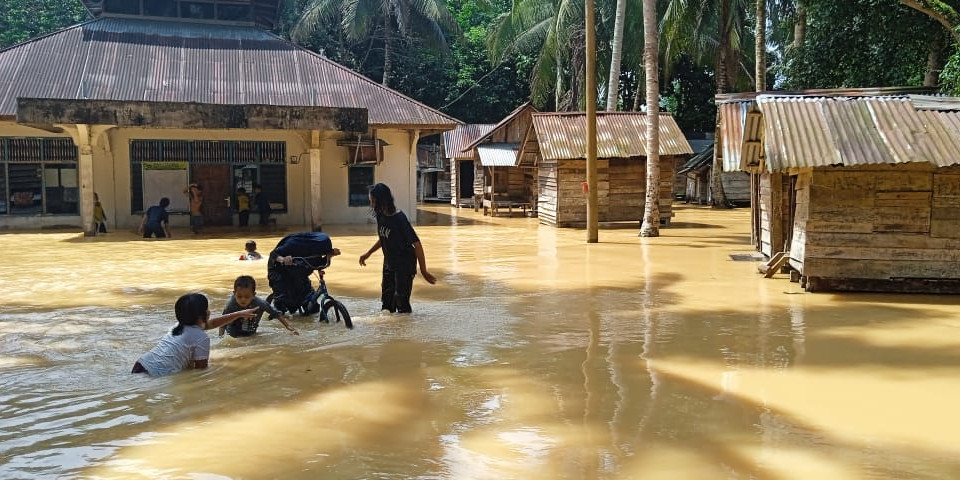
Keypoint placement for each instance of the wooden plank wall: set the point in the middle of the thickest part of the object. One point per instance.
(736, 185)
(621, 190)
(883, 222)
(454, 182)
(801, 215)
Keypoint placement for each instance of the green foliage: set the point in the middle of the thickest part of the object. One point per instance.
(689, 96)
(859, 43)
(21, 20)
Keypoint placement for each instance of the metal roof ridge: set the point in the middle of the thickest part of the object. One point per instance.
(365, 79)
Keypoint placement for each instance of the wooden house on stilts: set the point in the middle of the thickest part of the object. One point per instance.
(555, 143)
(856, 190)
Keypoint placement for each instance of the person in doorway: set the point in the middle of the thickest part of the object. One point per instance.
(250, 251)
(245, 296)
(99, 216)
(263, 205)
(243, 207)
(186, 345)
(401, 252)
(156, 220)
(195, 193)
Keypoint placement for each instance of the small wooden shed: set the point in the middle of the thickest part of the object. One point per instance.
(697, 176)
(464, 183)
(555, 143)
(858, 190)
(505, 182)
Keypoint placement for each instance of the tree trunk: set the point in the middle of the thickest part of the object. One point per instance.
(651, 207)
(800, 28)
(616, 52)
(641, 82)
(934, 63)
(577, 67)
(761, 61)
(387, 51)
(719, 197)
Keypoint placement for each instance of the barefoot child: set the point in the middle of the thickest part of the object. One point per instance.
(401, 252)
(187, 345)
(245, 296)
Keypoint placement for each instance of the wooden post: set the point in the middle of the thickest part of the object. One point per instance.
(412, 172)
(316, 192)
(591, 98)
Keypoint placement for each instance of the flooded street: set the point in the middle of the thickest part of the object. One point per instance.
(536, 356)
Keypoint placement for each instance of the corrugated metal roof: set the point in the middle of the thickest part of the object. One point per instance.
(146, 60)
(619, 135)
(702, 159)
(819, 131)
(732, 120)
(455, 141)
(498, 154)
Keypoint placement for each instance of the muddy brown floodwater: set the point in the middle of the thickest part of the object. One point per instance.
(536, 356)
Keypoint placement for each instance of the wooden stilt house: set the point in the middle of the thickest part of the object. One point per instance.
(858, 190)
(506, 182)
(555, 142)
(464, 183)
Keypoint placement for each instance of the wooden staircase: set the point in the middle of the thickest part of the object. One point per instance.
(777, 261)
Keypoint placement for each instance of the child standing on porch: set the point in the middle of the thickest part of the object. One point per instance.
(401, 252)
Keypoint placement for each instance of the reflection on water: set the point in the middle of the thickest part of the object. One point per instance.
(536, 356)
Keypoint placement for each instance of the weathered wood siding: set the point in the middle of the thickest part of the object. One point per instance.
(621, 190)
(736, 186)
(880, 227)
(443, 185)
(775, 206)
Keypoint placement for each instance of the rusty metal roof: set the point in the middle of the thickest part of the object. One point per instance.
(147, 60)
(455, 141)
(815, 131)
(619, 135)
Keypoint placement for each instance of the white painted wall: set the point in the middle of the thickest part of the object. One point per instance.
(111, 169)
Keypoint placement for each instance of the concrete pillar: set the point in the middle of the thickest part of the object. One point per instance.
(316, 198)
(412, 179)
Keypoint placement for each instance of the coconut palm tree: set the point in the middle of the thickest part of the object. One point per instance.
(428, 20)
(651, 209)
(616, 52)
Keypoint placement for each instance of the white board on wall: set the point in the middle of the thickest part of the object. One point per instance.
(165, 179)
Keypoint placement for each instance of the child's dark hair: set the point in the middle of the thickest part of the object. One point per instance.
(244, 281)
(164, 202)
(250, 246)
(188, 309)
(241, 190)
(382, 200)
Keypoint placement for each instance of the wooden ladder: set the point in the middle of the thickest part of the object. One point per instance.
(770, 268)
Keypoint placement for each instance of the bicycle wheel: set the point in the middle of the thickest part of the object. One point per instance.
(339, 310)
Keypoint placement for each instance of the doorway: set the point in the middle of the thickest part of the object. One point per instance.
(465, 179)
(215, 180)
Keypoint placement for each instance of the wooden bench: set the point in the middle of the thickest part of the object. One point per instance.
(494, 207)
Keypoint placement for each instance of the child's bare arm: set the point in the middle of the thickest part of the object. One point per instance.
(283, 320)
(225, 319)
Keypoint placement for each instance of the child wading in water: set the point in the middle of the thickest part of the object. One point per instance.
(187, 345)
(251, 252)
(245, 296)
(401, 252)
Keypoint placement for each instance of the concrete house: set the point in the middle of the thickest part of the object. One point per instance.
(150, 95)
